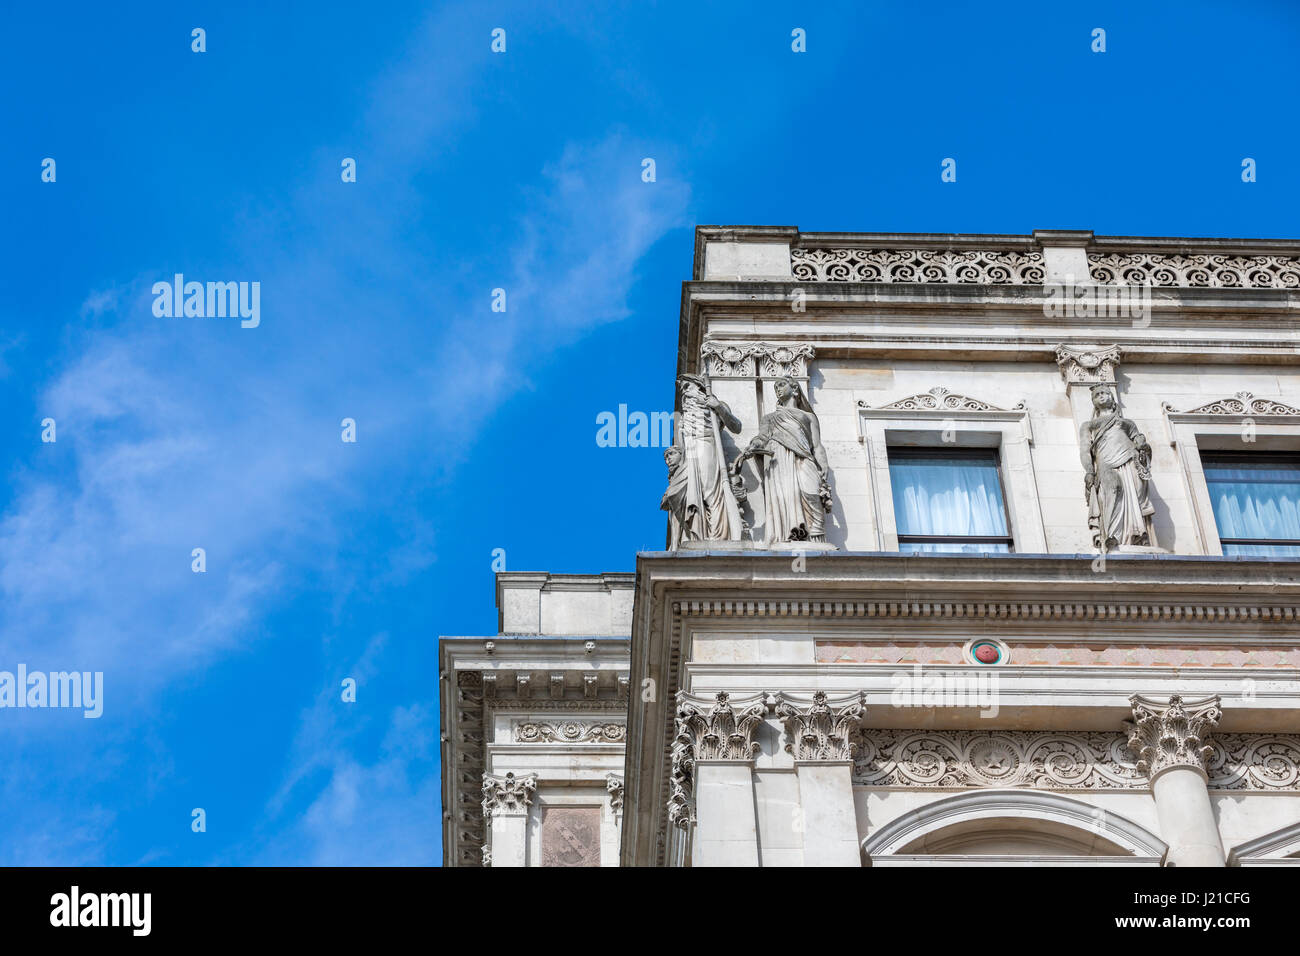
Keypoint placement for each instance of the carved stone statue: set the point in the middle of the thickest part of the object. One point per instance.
(1117, 471)
(793, 470)
(699, 500)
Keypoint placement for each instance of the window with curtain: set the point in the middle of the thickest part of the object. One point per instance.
(948, 500)
(1256, 498)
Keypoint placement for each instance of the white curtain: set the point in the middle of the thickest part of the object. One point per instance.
(1256, 501)
(948, 496)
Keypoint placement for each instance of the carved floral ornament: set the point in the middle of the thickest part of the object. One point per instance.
(570, 731)
(508, 794)
(1088, 364)
(942, 399)
(1244, 403)
(756, 359)
(1196, 271)
(822, 729)
(1170, 735)
(614, 787)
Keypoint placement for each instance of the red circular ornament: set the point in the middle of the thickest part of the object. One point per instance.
(987, 654)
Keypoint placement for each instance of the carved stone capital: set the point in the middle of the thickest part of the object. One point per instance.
(1088, 364)
(508, 794)
(718, 731)
(755, 359)
(614, 786)
(1174, 734)
(823, 728)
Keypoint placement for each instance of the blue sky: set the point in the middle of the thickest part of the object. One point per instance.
(475, 429)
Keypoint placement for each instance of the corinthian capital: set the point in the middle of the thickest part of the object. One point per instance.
(508, 794)
(756, 359)
(821, 729)
(1175, 734)
(719, 732)
(1087, 364)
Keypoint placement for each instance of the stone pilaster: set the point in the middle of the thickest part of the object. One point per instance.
(821, 732)
(716, 742)
(506, 802)
(1170, 740)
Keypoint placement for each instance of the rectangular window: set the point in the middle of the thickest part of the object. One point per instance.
(1256, 499)
(948, 500)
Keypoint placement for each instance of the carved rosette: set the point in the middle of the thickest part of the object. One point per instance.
(1088, 364)
(823, 729)
(508, 794)
(1176, 734)
(614, 786)
(756, 359)
(570, 731)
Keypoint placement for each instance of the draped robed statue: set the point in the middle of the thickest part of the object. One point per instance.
(796, 496)
(1117, 473)
(700, 502)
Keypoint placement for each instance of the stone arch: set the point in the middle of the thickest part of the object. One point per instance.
(1047, 823)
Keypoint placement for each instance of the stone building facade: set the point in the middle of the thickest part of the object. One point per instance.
(982, 549)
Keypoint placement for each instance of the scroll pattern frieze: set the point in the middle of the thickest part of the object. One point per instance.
(1196, 271)
(917, 265)
(1243, 403)
(941, 399)
(1059, 761)
(569, 732)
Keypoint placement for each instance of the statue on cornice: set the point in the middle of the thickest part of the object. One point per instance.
(699, 500)
(796, 495)
(1117, 472)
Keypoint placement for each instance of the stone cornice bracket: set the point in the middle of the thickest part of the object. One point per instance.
(823, 728)
(719, 731)
(755, 359)
(614, 786)
(508, 794)
(1174, 734)
(1088, 364)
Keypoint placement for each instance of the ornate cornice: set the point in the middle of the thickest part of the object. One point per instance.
(994, 610)
(1088, 364)
(982, 267)
(821, 729)
(614, 786)
(941, 399)
(1244, 403)
(1196, 271)
(1173, 734)
(570, 731)
(755, 359)
(508, 794)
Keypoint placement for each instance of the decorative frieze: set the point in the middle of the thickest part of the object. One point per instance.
(1196, 271)
(508, 794)
(941, 399)
(1244, 403)
(894, 650)
(1053, 760)
(569, 732)
(756, 359)
(1088, 364)
(987, 267)
(1172, 734)
(821, 729)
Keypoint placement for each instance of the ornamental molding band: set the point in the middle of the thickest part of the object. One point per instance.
(1088, 364)
(1173, 734)
(821, 728)
(917, 265)
(614, 786)
(1052, 760)
(569, 732)
(1244, 403)
(996, 610)
(717, 731)
(756, 359)
(508, 794)
(941, 399)
(1196, 271)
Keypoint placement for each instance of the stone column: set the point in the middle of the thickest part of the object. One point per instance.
(713, 760)
(821, 740)
(1170, 741)
(505, 803)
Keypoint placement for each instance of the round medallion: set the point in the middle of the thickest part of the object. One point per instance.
(986, 652)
